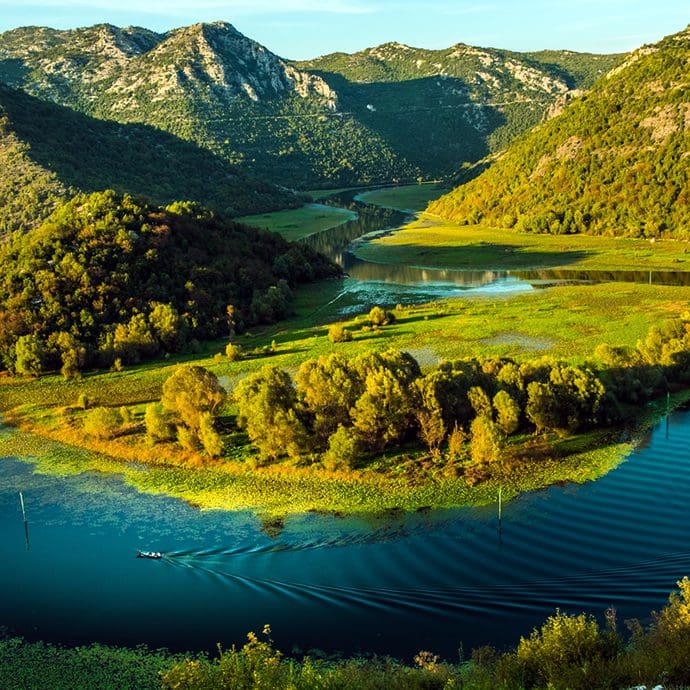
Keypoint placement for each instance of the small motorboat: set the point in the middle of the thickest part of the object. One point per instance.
(149, 554)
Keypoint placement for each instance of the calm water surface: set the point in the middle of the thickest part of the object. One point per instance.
(392, 586)
(389, 284)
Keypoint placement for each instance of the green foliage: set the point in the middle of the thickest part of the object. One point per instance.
(49, 667)
(507, 412)
(28, 355)
(379, 317)
(344, 449)
(50, 152)
(209, 437)
(233, 352)
(102, 422)
(392, 112)
(108, 277)
(337, 333)
(267, 409)
(613, 163)
(191, 392)
(158, 424)
(486, 440)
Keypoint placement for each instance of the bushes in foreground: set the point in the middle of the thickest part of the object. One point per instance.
(568, 651)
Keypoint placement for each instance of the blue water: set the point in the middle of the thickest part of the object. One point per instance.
(434, 581)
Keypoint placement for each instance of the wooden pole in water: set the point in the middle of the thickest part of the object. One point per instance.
(668, 410)
(26, 524)
(500, 517)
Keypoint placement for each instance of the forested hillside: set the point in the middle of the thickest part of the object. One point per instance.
(49, 152)
(391, 112)
(109, 278)
(615, 162)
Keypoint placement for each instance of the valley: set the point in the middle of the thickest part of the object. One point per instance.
(389, 349)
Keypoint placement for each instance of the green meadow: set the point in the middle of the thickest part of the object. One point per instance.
(565, 322)
(430, 242)
(297, 223)
(409, 198)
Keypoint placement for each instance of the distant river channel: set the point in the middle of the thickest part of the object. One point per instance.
(446, 581)
(390, 284)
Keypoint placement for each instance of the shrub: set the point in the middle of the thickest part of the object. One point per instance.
(343, 450)
(233, 352)
(337, 333)
(158, 426)
(102, 422)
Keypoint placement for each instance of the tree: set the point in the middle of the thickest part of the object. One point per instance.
(480, 401)
(29, 353)
(384, 412)
(429, 414)
(158, 424)
(209, 437)
(485, 440)
(267, 408)
(102, 422)
(507, 412)
(379, 317)
(328, 387)
(72, 353)
(233, 352)
(343, 449)
(191, 391)
(168, 326)
(337, 333)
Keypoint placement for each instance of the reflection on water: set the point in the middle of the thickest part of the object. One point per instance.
(390, 585)
(390, 284)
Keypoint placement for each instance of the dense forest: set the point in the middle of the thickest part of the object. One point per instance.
(614, 162)
(110, 279)
(48, 152)
(391, 112)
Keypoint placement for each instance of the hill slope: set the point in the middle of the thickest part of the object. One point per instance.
(389, 112)
(615, 162)
(49, 152)
(107, 276)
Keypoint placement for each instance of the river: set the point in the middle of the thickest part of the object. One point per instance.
(388, 284)
(434, 581)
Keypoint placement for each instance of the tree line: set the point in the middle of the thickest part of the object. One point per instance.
(341, 410)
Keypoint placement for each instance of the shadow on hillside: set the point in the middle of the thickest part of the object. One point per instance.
(89, 154)
(430, 121)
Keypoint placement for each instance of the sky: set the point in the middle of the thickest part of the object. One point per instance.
(301, 29)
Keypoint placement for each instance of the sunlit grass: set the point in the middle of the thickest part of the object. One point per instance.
(414, 197)
(298, 223)
(430, 242)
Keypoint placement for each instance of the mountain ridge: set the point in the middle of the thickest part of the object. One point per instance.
(614, 162)
(305, 122)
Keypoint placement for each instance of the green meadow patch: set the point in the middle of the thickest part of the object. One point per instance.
(431, 242)
(295, 224)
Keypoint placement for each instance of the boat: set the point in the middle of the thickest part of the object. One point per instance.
(149, 554)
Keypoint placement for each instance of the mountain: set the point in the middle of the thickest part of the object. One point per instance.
(49, 152)
(615, 162)
(391, 112)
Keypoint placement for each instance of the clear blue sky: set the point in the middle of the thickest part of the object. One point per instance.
(307, 28)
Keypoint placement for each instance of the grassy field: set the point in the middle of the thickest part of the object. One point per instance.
(410, 198)
(294, 224)
(429, 242)
(567, 322)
